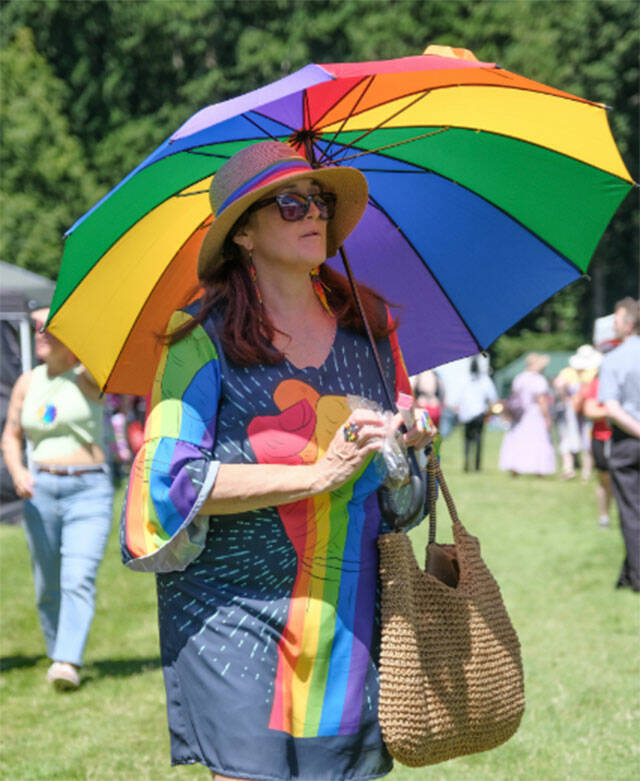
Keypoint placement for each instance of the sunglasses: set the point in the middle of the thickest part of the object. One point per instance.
(294, 207)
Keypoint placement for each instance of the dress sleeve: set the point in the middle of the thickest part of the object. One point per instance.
(174, 471)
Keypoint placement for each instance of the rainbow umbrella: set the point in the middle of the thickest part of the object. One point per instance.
(488, 193)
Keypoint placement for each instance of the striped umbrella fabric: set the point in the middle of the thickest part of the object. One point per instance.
(489, 192)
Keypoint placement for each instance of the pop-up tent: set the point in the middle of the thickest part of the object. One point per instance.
(21, 292)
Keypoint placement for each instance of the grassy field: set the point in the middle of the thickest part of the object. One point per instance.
(556, 569)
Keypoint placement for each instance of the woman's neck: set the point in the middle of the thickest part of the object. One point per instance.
(288, 298)
(59, 364)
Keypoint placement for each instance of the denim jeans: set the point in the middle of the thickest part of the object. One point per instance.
(67, 524)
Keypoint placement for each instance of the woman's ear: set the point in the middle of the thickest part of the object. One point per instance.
(242, 239)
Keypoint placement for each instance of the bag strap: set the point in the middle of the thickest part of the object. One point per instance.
(434, 471)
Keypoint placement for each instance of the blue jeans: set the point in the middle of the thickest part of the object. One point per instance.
(67, 524)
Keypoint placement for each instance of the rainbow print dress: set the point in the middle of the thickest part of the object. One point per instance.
(269, 620)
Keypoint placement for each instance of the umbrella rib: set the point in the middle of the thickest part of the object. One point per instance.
(391, 146)
(188, 195)
(333, 106)
(325, 154)
(306, 114)
(368, 132)
(377, 205)
(194, 151)
(261, 129)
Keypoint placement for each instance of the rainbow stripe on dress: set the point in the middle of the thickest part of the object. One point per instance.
(324, 650)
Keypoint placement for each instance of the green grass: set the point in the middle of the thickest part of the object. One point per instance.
(556, 569)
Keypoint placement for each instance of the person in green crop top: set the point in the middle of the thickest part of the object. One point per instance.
(67, 491)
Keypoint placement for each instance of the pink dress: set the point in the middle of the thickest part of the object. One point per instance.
(527, 447)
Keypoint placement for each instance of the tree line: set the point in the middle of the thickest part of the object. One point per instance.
(90, 88)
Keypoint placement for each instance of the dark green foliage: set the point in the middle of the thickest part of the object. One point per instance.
(90, 88)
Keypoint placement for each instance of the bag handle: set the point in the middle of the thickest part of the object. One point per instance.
(434, 471)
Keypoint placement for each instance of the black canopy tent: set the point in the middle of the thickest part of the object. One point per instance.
(21, 292)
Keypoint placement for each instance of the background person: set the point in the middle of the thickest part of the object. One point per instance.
(526, 447)
(567, 385)
(620, 393)
(255, 491)
(600, 442)
(476, 397)
(67, 492)
(585, 361)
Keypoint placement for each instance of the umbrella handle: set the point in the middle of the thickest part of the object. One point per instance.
(415, 510)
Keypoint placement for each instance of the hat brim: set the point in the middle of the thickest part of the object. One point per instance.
(348, 184)
(584, 364)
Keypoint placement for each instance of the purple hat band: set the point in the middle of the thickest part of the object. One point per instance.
(273, 172)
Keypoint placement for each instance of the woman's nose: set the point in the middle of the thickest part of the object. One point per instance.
(314, 211)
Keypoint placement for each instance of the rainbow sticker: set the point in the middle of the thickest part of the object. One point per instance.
(47, 413)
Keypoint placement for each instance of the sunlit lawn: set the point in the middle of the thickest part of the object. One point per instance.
(556, 568)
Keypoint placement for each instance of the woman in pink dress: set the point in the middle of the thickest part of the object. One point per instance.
(527, 447)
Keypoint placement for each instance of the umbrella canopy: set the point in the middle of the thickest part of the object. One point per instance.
(488, 193)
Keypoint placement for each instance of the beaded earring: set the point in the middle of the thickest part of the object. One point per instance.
(319, 288)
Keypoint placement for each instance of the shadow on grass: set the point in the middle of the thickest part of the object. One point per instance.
(15, 662)
(121, 668)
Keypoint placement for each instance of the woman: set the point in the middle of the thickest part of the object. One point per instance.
(255, 491)
(68, 495)
(526, 447)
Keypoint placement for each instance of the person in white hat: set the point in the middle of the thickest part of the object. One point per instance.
(254, 494)
(574, 430)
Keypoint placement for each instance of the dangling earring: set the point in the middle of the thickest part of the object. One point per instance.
(319, 288)
(254, 279)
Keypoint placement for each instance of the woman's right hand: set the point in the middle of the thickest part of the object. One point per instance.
(23, 482)
(344, 457)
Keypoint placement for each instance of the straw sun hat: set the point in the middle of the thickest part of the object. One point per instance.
(257, 170)
(536, 362)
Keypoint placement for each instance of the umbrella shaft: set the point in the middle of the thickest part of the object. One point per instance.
(376, 354)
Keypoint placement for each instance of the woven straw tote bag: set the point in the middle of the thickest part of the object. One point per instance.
(451, 679)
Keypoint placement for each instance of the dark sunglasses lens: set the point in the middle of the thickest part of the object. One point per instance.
(292, 207)
(326, 203)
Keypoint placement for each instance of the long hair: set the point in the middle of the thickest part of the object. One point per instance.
(247, 331)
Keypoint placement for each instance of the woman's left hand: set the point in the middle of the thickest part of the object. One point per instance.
(423, 430)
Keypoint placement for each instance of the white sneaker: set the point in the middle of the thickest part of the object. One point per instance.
(63, 676)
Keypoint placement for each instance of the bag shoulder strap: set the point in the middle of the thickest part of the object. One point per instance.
(435, 472)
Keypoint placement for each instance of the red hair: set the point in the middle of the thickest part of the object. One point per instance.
(248, 333)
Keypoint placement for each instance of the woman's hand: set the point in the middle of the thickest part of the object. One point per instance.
(423, 430)
(362, 434)
(23, 482)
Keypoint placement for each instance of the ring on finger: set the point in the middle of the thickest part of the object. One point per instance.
(350, 432)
